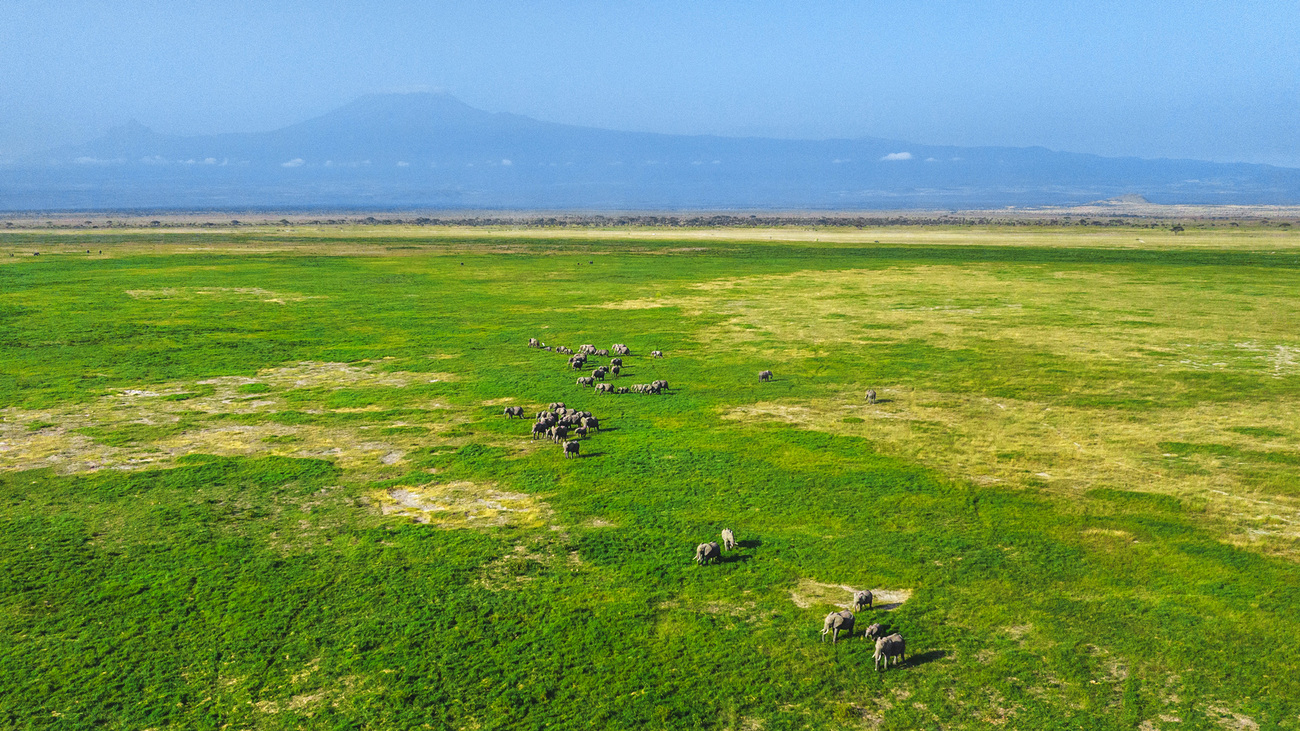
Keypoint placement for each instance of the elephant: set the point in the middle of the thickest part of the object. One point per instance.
(616, 361)
(533, 343)
(706, 552)
(728, 539)
(874, 632)
(836, 621)
(513, 412)
(620, 349)
(591, 422)
(581, 431)
(570, 449)
(603, 352)
(555, 405)
(598, 374)
(871, 396)
(558, 433)
(539, 428)
(765, 375)
(656, 354)
(621, 389)
(586, 381)
(616, 369)
(663, 385)
(861, 599)
(892, 646)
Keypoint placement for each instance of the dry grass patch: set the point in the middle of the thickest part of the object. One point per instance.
(463, 504)
(809, 593)
(1071, 449)
(178, 415)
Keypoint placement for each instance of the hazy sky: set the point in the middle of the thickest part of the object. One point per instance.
(1210, 80)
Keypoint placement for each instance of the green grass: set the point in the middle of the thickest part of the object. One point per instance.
(239, 571)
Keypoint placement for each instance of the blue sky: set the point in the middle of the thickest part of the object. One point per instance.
(1209, 80)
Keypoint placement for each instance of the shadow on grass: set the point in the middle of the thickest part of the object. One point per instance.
(589, 455)
(752, 543)
(735, 558)
(926, 657)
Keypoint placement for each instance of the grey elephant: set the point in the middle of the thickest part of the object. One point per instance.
(532, 343)
(835, 623)
(765, 375)
(892, 646)
(861, 600)
(570, 449)
(706, 552)
(874, 632)
(514, 412)
(616, 361)
(871, 395)
(656, 354)
(728, 539)
(539, 428)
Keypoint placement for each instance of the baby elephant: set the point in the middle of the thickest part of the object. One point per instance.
(836, 622)
(765, 375)
(871, 395)
(728, 539)
(861, 600)
(887, 647)
(874, 632)
(706, 552)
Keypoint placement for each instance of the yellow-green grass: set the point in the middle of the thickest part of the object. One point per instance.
(262, 480)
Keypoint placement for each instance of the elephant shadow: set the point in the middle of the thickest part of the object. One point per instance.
(928, 656)
(752, 543)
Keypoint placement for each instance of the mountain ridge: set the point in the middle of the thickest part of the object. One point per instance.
(433, 149)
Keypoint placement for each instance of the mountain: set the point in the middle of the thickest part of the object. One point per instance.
(433, 151)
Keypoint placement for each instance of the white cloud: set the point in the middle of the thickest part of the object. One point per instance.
(507, 162)
(898, 156)
(297, 162)
(403, 164)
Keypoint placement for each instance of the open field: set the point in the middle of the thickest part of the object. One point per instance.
(259, 478)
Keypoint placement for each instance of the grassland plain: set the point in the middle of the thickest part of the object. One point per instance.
(260, 479)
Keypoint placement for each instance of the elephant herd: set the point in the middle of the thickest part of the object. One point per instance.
(711, 552)
(888, 647)
(578, 362)
(557, 422)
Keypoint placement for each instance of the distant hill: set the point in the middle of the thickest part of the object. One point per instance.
(433, 151)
